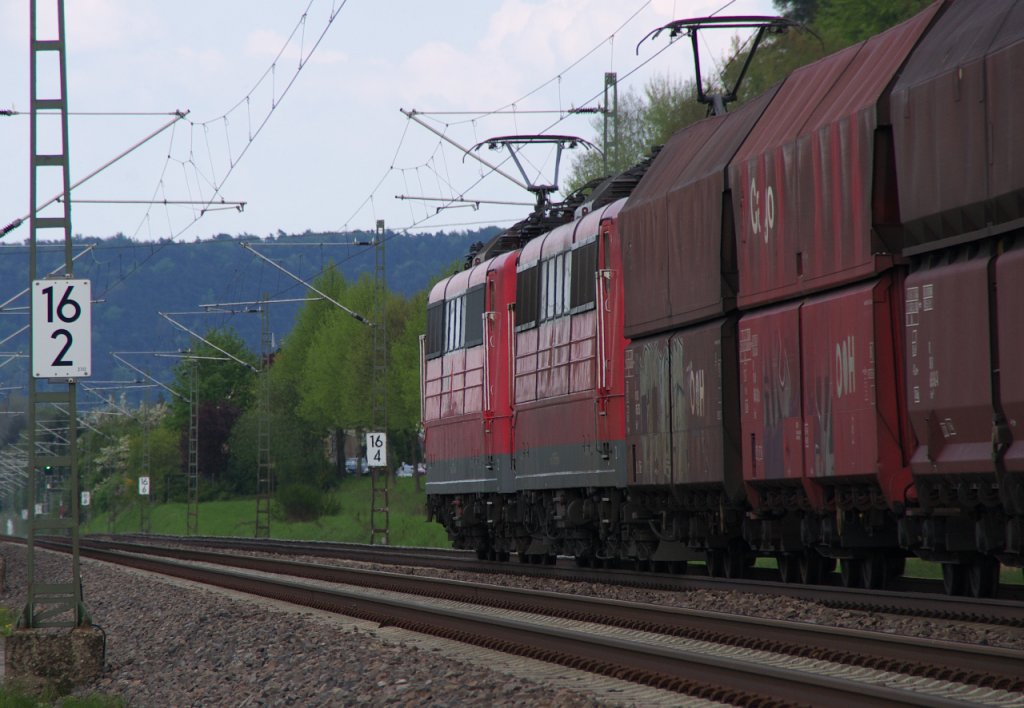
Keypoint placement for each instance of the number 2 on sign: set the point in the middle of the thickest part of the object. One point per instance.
(67, 311)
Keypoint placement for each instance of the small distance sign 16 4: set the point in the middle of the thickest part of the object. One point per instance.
(61, 328)
(377, 449)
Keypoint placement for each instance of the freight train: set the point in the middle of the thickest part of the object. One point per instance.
(797, 337)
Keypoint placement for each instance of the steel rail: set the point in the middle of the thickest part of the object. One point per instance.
(786, 637)
(686, 670)
(911, 596)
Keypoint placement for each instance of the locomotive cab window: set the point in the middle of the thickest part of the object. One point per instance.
(455, 323)
(435, 330)
(555, 282)
(474, 316)
(584, 269)
(527, 302)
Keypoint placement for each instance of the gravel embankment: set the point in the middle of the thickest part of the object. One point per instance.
(173, 644)
(170, 644)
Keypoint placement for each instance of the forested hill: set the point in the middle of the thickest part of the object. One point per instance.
(134, 281)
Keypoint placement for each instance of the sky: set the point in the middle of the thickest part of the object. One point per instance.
(324, 147)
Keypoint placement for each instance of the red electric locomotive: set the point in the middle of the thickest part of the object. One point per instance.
(542, 421)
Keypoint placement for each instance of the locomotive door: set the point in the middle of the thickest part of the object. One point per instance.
(490, 353)
(605, 338)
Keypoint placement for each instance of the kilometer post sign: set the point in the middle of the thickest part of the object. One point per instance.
(61, 328)
(377, 449)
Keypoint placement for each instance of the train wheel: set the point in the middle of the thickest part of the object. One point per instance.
(677, 567)
(550, 559)
(716, 562)
(983, 576)
(954, 578)
(503, 556)
(811, 565)
(873, 571)
(896, 566)
(582, 561)
(850, 572)
(482, 553)
(789, 567)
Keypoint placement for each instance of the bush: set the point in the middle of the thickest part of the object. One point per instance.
(302, 502)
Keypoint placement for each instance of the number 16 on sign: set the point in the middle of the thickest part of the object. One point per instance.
(61, 328)
(377, 449)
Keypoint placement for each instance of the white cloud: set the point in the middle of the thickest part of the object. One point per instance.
(90, 24)
(14, 22)
(527, 42)
(103, 24)
(204, 62)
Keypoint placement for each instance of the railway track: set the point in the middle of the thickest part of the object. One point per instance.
(914, 598)
(708, 655)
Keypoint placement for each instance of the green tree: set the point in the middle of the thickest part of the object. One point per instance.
(290, 369)
(338, 368)
(165, 469)
(296, 453)
(324, 373)
(802, 11)
(220, 378)
(407, 322)
(224, 390)
(844, 22)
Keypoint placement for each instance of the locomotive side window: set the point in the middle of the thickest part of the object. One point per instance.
(474, 316)
(584, 265)
(527, 301)
(455, 323)
(547, 288)
(435, 330)
(556, 281)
